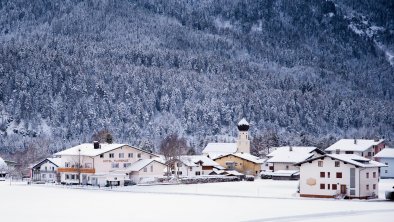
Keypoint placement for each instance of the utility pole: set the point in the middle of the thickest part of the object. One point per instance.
(79, 166)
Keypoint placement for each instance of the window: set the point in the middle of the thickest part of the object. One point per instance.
(111, 155)
(369, 153)
(125, 165)
(67, 177)
(362, 153)
(130, 155)
(328, 186)
(145, 169)
(320, 163)
(121, 155)
(50, 176)
(386, 164)
(179, 164)
(339, 175)
(322, 186)
(151, 168)
(139, 155)
(115, 165)
(334, 186)
(337, 164)
(67, 164)
(46, 168)
(198, 173)
(191, 168)
(328, 174)
(322, 174)
(72, 176)
(367, 175)
(349, 152)
(374, 186)
(385, 171)
(44, 176)
(179, 172)
(101, 155)
(367, 186)
(287, 167)
(337, 151)
(374, 174)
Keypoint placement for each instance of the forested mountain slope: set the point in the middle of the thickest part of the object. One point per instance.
(146, 68)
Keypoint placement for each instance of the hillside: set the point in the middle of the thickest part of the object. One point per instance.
(146, 68)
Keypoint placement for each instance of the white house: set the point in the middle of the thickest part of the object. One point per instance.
(386, 156)
(144, 170)
(361, 147)
(3, 169)
(339, 175)
(94, 163)
(214, 150)
(284, 158)
(193, 165)
(46, 170)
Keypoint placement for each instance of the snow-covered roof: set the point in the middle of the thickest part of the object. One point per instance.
(87, 149)
(249, 157)
(353, 159)
(192, 160)
(287, 154)
(298, 149)
(287, 173)
(56, 161)
(243, 122)
(216, 149)
(245, 156)
(138, 165)
(386, 153)
(233, 173)
(359, 145)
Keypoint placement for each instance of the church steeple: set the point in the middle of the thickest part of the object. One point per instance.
(243, 143)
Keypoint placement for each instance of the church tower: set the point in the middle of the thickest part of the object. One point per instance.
(243, 143)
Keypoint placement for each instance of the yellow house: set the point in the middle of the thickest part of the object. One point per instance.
(242, 162)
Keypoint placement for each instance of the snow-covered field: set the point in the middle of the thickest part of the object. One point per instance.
(261, 200)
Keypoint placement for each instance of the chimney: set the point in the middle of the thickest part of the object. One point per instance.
(355, 141)
(290, 148)
(376, 139)
(96, 145)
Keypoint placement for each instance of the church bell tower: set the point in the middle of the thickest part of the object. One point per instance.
(243, 143)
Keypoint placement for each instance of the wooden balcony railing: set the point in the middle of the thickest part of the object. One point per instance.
(76, 170)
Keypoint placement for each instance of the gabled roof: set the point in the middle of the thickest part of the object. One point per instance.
(358, 145)
(245, 156)
(298, 149)
(87, 149)
(353, 159)
(55, 161)
(222, 148)
(386, 153)
(287, 154)
(192, 160)
(138, 165)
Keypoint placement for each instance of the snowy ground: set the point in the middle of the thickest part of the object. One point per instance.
(261, 200)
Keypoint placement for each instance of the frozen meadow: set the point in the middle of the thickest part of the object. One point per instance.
(261, 200)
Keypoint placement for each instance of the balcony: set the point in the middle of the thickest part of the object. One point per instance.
(76, 170)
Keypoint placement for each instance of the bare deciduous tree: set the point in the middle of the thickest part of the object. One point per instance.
(172, 147)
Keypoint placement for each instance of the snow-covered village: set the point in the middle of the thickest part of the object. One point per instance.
(196, 110)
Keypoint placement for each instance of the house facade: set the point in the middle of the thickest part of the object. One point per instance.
(242, 162)
(46, 170)
(386, 157)
(92, 163)
(361, 147)
(3, 170)
(339, 175)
